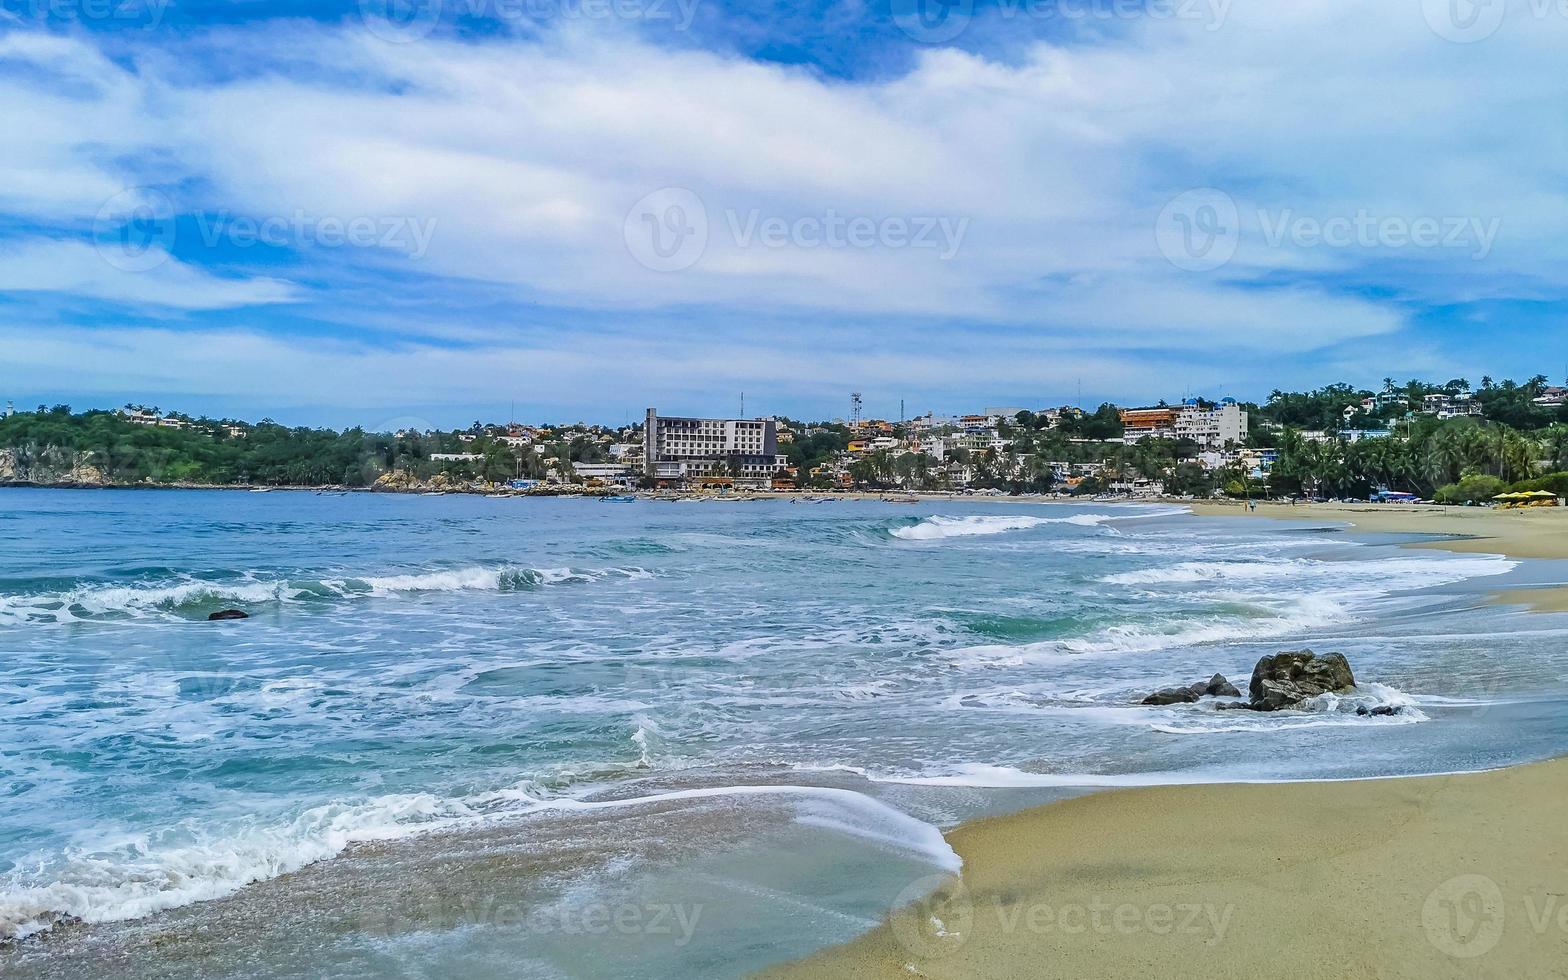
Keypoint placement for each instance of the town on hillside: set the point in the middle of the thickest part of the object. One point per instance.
(1452, 442)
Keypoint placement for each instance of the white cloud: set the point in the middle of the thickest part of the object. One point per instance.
(528, 153)
(79, 270)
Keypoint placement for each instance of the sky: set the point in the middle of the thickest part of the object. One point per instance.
(394, 212)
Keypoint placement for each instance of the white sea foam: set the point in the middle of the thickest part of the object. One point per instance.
(136, 877)
(938, 526)
(1275, 618)
(1323, 711)
(96, 601)
(140, 876)
(856, 814)
(1387, 574)
(983, 776)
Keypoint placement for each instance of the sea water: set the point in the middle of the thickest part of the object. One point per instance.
(551, 737)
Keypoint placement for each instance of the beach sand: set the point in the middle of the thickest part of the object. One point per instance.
(1445, 876)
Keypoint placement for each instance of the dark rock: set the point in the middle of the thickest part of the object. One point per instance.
(1381, 710)
(228, 614)
(1219, 687)
(1283, 680)
(1232, 706)
(1172, 695)
(1216, 686)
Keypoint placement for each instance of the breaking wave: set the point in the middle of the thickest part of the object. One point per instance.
(145, 875)
(938, 527)
(1394, 574)
(192, 596)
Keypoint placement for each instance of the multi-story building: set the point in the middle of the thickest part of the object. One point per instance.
(1142, 423)
(1446, 406)
(691, 450)
(1211, 427)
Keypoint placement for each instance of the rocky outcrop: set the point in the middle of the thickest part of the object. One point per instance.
(1378, 711)
(1219, 687)
(1284, 680)
(49, 466)
(1280, 680)
(1172, 695)
(1216, 686)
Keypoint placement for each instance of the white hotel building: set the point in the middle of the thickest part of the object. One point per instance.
(690, 450)
(1211, 428)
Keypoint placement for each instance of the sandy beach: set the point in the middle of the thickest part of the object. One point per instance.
(1446, 876)
(1443, 876)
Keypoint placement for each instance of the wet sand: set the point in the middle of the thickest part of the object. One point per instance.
(1446, 876)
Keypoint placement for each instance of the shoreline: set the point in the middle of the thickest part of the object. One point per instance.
(1440, 875)
(1430, 876)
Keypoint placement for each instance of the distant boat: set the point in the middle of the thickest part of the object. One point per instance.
(623, 498)
(261, 489)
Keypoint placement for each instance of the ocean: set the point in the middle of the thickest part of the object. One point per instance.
(465, 736)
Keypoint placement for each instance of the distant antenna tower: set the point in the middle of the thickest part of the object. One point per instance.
(857, 408)
(901, 411)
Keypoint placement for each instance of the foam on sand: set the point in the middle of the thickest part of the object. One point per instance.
(112, 881)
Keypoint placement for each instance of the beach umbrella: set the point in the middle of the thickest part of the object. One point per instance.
(1506, 496)
(1541, 494)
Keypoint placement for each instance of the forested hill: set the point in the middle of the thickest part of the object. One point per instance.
(56, 445)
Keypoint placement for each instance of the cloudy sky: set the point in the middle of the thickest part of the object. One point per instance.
(350, 213)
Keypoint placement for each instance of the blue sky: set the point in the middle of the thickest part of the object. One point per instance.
(358, 213)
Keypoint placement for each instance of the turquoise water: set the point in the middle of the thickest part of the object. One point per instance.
(508, 737)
